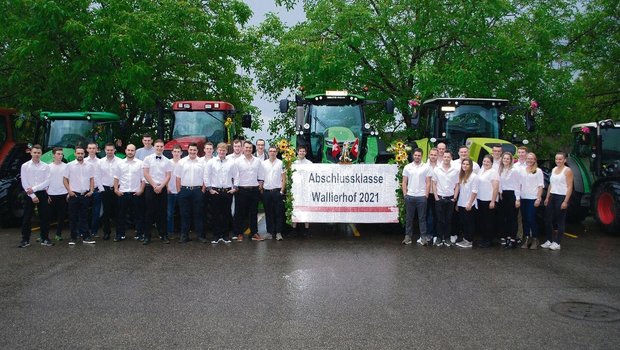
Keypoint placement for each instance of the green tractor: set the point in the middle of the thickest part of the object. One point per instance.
(474, 122)
(336, 116)
(69, 129)
(595, 161)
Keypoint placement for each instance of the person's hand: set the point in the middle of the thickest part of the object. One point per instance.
(537, 203)
(468, 207)
(492, 205)
(517, 203)
(564, 205)
(88, 194)
(546, 202)
(35, 200)
(29, 190)
(118, 193)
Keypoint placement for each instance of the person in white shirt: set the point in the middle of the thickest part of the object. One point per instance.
(488, 188)
(142, 152)
(246, 201)
(273, 191)
(416, 187)
(35, 178)
(556, 203)
(464, 154)
(190, 182)
(95, 200)
(129, 188)
(57, 193)
(237, 149)
(220, 176)
(173, 191)
(206, 197)
(157, 173)
(208, 149)
(108, 198)
(302, 152)
(441, 148)
(444, 181)
(532, 184)
(496, 152)
(260, 150)
(431, 215)
(79, 180)
(466, 204)
(509, 203)
(520, 164)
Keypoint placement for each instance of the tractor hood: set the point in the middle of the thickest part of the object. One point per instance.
(479, 146)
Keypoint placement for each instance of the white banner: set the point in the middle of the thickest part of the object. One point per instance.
(345, 193)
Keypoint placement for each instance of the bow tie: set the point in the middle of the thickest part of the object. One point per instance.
(157, 157)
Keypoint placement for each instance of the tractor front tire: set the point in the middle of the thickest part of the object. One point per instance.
(606, 206)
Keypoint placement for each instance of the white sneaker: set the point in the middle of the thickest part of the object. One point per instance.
(279, 237)
(437, 242)
(407, 240)
(447, 243)
(453, 239)
(234, 238)
(435, 239)
(268, 236)
(554, 246)
(419, 241)
(546, 245)
(464, 244)
(214, 241)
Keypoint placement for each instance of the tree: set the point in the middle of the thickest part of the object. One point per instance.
(407, 48)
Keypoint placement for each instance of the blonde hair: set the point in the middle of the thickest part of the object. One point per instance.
(464, 175)
(501, 162)
(535, 166)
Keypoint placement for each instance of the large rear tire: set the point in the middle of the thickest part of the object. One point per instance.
(576, 213)
(606, 206)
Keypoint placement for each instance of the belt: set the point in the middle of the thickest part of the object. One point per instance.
(80, 193)
(108, 188)
(221, 189)
(247, 187)
(191, 188)
(446, 197)
(273, 190)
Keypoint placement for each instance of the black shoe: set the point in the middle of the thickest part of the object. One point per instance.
(47, 243)
(511, 244)
(23, 244)
(165, 240)
(183, 240)
(106, 236)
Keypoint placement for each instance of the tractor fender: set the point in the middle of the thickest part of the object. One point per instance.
(605, 204)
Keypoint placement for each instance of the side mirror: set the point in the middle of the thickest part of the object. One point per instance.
(283, 106)
(530, 121)
(299, 117)
(246, 121)
(389, 106)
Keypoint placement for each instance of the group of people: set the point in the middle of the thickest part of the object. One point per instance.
(146, 187)
(454, 199)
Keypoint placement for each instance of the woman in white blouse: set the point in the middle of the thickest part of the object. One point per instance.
(556, 203)
(532, 184)
(488, 188)
(509, 189)
(467, 189)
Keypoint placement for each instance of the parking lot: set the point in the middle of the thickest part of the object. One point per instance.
(333, 290)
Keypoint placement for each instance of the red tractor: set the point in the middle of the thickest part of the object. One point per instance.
(12, 156)
(199, 122)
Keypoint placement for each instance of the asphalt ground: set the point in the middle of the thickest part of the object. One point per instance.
(330, 291)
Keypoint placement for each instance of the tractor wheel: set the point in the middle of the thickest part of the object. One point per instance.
(15, 211)
(576, 213)
(606, 206)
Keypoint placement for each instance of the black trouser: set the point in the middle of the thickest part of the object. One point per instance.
(554, 214)
(207, 217)
(108, 199)
(78, 216)
(486, 220)
(131, 204)
(191, 206)
(444, 208)
(43, 216)
(274, 210)
(467, 221)
(220, 209)
(507, 218)
(431, 216)
(246, 209)
(58, 211)
(156, 211)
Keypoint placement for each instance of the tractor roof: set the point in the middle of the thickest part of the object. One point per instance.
(341, 97)
(202, 106)
(96, 116)
(608, 122)
(466, 101)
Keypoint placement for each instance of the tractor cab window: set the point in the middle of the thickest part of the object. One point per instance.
(69, 133)
(471, 121)
(610, 145)
(323, 117)
(200, 123)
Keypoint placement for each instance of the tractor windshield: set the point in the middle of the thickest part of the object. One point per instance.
(611, 144)
(200, 123)
(69, 133)
(326, 116)
(471, 121)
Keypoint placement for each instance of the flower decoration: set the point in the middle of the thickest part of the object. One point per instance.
(585, 130)
(400, 149)
(228, 124)
(288, 158)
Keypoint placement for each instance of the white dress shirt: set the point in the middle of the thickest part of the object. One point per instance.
(190, 171)
(129, 174)
(250, 171)
(416, 178)
(510, 180)
(485, 184)
(172, 184)
(35, 176)
(466, 189)
(302, 161)
(445, 180)
(79, 175)
(142, 153)
(106, 170)
(273, 172)
(158, 167)
(530, 183)
(221, 173)
(94, 162)
(234, 156)
(457, 164)
(57, 185)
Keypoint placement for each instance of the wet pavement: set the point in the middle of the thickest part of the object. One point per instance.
(333, 290)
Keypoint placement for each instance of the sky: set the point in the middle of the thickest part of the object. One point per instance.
(260, 8)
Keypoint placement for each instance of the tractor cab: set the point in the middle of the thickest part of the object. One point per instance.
(474, 122)
(335, 117)
(70, 129)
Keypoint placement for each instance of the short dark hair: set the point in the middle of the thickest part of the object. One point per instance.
(109, 144)
(194, 144)
(248, 143)
(418, 149)
(56, 149)
(177, 146)
(302, 147)
(147, 135)
(159, 140)
(37, 146)
(209, 143)
(79, 147)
